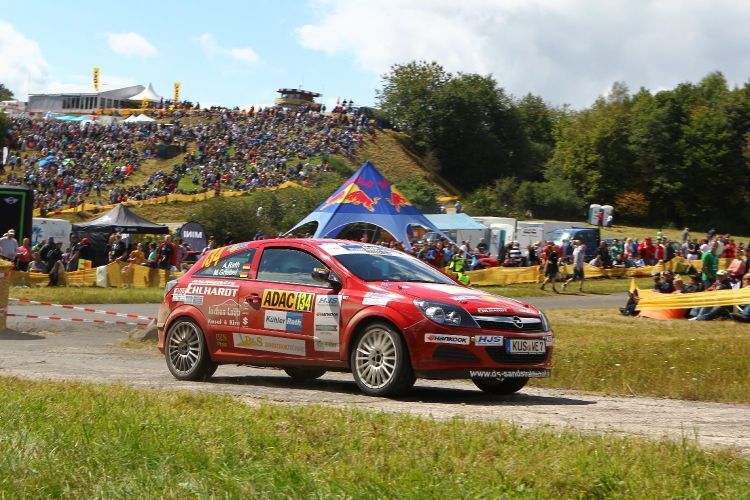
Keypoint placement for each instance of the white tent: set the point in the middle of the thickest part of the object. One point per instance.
(148, 93)
(138, 119)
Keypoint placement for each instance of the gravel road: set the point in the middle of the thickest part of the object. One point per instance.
(63, 351)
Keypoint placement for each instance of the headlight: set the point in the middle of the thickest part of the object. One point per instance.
(445, 314)
(545, 322)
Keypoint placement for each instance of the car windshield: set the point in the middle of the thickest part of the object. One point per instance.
(391, 267)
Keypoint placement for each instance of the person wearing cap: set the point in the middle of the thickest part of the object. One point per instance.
(9, 245)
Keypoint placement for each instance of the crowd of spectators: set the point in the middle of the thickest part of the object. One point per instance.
(67, 163)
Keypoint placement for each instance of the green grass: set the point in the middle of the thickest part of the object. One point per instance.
(599, 350)
(89, 295)
(593, 286)
(77, 440)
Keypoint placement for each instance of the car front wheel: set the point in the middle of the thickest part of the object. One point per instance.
(186, 351)
(500, 386)
(380, 361)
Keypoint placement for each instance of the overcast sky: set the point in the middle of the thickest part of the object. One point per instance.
(237, 53)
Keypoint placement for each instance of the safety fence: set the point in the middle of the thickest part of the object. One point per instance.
(138, 276)
(652, 300)
(92, 207)
(501, 276)
(111, 275)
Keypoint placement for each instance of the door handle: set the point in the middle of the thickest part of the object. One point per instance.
(253, 298)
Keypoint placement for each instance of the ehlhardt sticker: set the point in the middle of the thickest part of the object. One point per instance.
(434, 338)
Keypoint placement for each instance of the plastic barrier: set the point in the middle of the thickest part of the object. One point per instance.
(650, 300)
(90, 207)
(142, 277)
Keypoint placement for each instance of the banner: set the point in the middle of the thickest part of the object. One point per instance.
(176, 91)
(651, 300)
(96, 79)
(5, 154)
(194, 235)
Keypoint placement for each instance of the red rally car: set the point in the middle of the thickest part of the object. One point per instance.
(311, 306)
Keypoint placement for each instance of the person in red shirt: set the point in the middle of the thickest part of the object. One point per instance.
(730, 249)
(23, 255)
(646, 251)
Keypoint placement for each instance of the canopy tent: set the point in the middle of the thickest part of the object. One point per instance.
(453, 222)
(138, 119)
(367, 197)
(121, 220)
(148, 93)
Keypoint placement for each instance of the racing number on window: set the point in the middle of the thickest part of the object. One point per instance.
(232, 266)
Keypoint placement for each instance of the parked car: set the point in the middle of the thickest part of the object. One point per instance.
(309, 306)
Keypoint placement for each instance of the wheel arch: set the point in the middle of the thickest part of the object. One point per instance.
(367, 318)
(184, 311)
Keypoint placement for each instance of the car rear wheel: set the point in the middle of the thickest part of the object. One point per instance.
(186, 351)
(500, 386)
(380, 361)
(304, 374)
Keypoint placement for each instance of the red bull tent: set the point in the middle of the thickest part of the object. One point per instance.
(367, 197)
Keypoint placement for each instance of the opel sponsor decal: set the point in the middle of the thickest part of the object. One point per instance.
(287, 300)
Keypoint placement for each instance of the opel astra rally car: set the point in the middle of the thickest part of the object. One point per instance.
(311, 306)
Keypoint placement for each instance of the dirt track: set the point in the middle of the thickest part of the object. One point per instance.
(93, 353)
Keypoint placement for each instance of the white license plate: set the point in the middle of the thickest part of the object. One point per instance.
(526, 346)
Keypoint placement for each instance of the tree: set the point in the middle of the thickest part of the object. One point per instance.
(421, 194)
(5, 93)
(4, 126)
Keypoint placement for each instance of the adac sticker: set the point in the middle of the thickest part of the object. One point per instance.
(288, 300)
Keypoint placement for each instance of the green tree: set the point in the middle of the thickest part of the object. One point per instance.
(5, 93)
(421, 194)
(4, 126)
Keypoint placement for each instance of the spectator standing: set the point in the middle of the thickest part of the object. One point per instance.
(23, 256)
(579, 255)
(710, 264)
(551, 268)
(166, 253)
(685, 235)
(9, 245)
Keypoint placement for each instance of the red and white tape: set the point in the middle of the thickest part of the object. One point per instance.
(76, 320)
(84, 309)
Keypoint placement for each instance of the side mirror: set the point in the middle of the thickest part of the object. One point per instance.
(325, 275)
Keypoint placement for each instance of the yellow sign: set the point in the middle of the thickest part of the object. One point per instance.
(176, 91)
(96, 79)
(287, 300)
(144, 102)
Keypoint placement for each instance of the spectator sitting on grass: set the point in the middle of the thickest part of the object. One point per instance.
(712, 312)
(37, 265)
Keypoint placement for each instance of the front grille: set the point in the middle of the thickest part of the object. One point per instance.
(449, 353)
(499, 355)
(509, 323)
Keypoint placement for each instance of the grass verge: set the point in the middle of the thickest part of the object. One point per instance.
(599, 350)
(89, 295)
(68, 439)
(597, 286)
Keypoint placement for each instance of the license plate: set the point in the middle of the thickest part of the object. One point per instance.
(526, 346)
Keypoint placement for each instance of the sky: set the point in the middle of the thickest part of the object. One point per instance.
(238, 53)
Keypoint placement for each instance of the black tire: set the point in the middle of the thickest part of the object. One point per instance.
(186, 351)
(380, 361)
(500, 386)
(304, 374)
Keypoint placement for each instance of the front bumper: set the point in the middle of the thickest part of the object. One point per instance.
(438, 352)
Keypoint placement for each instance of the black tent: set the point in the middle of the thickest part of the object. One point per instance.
(120, 220)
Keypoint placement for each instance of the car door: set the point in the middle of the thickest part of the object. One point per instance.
(216, 289)
(292, 315)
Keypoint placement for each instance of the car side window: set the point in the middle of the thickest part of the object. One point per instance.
(287, 265)
(232, 266)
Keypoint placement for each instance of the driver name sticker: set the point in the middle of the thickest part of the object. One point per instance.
(288, 300)
(326, 322)
(435, 338)
(295, 347)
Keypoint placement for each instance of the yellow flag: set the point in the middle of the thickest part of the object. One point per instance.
(96, 79)
(633, 285)
(176, 91)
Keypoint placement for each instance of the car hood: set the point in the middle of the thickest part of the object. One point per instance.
(476, 302)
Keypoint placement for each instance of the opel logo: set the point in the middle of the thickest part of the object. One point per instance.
(517, 321)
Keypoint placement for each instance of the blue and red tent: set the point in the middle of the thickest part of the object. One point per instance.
(367, 197)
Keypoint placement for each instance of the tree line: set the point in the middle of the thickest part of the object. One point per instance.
(672, 157)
